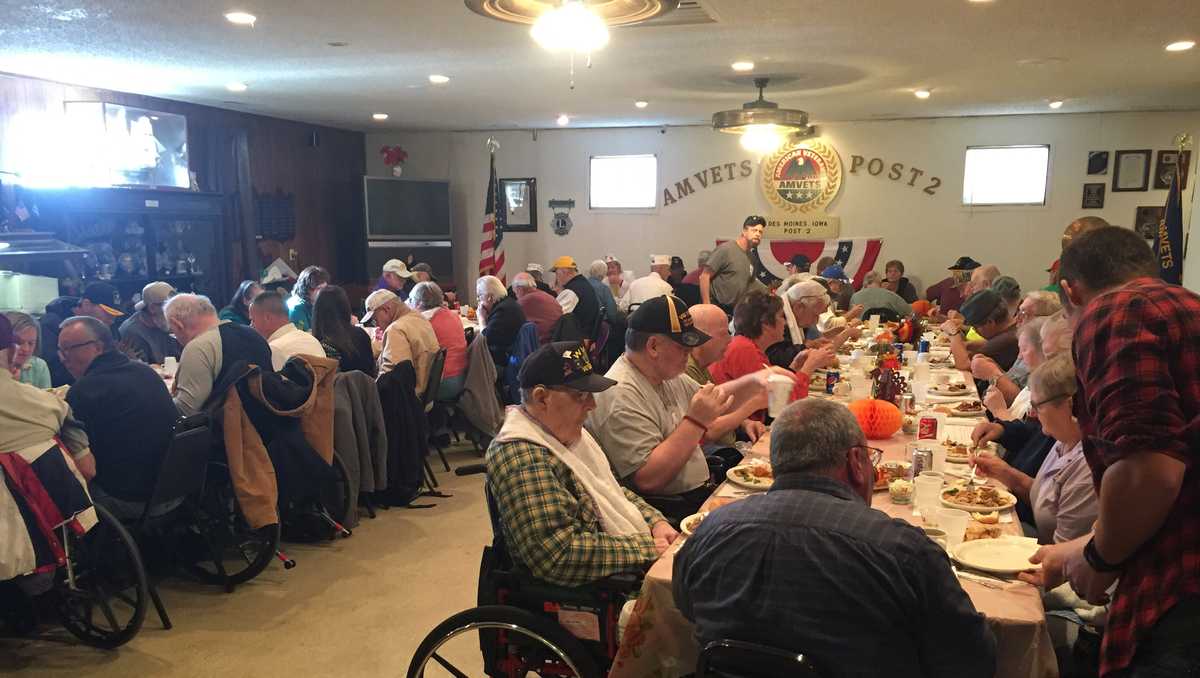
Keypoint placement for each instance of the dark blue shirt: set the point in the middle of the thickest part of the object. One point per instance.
(809, 567)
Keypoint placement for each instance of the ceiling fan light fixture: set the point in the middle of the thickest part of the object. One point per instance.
(570, 27)
(763, 125)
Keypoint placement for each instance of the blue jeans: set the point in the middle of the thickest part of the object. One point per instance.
(451, 387)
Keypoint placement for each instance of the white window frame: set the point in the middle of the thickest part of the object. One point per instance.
(653, 207)
(1001, 205)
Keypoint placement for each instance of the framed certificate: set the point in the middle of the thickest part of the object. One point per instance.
(1131, 171)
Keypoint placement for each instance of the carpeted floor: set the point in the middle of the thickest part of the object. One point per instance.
(353, 607)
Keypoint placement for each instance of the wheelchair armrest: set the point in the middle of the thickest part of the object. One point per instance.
(621, 582)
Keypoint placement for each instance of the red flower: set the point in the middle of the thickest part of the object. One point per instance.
(393, 155)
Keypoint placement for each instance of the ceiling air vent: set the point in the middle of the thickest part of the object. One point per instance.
(688, 13)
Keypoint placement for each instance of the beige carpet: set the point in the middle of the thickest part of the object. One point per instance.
(353, 607)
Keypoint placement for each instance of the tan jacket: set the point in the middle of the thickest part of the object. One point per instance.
(410, 337)
(250, 467)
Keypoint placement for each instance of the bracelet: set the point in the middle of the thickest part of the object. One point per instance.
(703, 428)
(955, 333)
(1092, 556)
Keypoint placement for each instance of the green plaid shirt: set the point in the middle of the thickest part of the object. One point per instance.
(550, 522)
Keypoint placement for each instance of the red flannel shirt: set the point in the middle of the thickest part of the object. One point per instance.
(742, 357)
(1137, 353)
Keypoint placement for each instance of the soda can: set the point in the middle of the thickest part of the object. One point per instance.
(908, 404)
(832, 377)
(927, 427)
(922, 460)
(923, 346)
(898, 348)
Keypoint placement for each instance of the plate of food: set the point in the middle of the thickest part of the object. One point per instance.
(688, 525)
(752, 476)
(1008, 554)
(951, 389)
(966, 408)
(983, 499)
(960, 453)
(976, 531)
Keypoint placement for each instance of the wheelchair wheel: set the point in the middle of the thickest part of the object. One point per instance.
(524, 642)
(232, 552)
(102, 592)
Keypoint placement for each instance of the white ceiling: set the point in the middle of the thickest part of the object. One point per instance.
(842, 59)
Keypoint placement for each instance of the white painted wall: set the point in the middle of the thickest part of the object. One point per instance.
(926, 232)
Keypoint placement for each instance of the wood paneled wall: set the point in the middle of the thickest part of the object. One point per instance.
(326, 179)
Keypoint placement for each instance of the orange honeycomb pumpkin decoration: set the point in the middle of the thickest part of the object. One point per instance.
(879, 419)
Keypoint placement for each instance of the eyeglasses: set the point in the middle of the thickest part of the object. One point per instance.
(1033, 407)
(64, 350)
(578, 396)
(875, 452)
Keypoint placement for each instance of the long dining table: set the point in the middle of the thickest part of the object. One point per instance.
(659, 641)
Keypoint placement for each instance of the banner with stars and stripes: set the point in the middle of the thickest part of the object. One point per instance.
(491, 250)
(856, 256)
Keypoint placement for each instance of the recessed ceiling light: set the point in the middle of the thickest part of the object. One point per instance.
(379, 116)
(742, 66)
(236, 86)
(641, 104)
(241, 18)
(1056, 104)
(563, 120)
(922, 94)
(1181, 46)
(439, 79)
(338, 43)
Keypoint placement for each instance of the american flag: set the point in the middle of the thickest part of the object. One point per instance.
(491, 250)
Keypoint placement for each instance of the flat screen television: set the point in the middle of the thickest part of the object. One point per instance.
(406, 209)
(130, 146)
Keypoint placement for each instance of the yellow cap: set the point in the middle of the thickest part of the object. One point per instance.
(564, 262)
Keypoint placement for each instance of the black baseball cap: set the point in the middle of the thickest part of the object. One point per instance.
(754, 220)
(667, 315)
(105, 296)
(964, 264)
(562, 363)
(801, 262)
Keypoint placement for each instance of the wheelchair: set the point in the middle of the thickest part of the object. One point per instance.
(100, 593)
(518, 622)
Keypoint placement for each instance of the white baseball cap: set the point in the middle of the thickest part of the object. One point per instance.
(660, 260)
(398, 267)
(535, 267)
(376, 299)
(155, 293)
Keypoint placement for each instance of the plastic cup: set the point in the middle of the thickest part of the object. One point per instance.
(872, 324)
(910, 358)
(920, 391)
(779, 393)
(920, 371)
(860, 387)
(928, 494)
(170, 365)
(954, 522)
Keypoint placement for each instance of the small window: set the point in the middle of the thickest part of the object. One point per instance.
(1006, 175)
(624, 182)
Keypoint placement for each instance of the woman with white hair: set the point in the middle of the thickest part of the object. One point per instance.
(1061, 494)
(426, 298)
(500, 315)
(596, 277)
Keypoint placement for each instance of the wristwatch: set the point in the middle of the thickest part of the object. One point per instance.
(1092, 556)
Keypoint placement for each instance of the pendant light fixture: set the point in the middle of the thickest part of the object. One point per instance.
(763, 125)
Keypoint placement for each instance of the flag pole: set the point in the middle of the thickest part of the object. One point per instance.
(1183, 142)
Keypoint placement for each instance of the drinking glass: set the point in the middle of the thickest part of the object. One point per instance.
(954, 522)
(920, 390)
(928, 495)
(860, 387)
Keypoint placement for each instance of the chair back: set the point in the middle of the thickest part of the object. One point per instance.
(524, 345)
(435, 379)
(739, 659)
(689, 292)
(185, 464)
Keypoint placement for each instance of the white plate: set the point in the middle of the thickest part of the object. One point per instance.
(1011, 502)
(972, 415)
(686, 525)
(753, 483)
(945, 390)
(946, 399)
(1007, 555)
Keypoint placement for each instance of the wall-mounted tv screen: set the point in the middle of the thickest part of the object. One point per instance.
(132, 146)
(405, 209)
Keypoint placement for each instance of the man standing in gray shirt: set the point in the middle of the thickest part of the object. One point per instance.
(653, 422)
(729, 274)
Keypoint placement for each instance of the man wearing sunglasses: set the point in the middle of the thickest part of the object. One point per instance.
(809, 567)
(562, 512)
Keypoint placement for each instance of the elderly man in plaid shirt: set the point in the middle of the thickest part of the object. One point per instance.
(563, 513)
(1137, 349)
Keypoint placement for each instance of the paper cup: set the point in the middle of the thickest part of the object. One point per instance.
(779, 393)
(954, 523)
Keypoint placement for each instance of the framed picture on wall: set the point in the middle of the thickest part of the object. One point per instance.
(1145, 221)
(518, 198)
(1093, 196)
(1164, 169)
(1131, 171)
(1097, 162)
